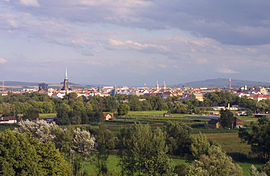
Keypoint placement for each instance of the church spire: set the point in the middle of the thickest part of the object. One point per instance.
(66, 76)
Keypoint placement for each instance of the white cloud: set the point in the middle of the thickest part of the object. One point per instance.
(3, 61)
(33, 3)
(227, 70)
(129, 44)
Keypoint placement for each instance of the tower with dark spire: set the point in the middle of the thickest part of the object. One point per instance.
(65, 84)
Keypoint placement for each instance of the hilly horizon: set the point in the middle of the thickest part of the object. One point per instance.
(222, 82)
(211, 83)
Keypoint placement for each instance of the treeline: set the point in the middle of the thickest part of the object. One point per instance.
(89, 109)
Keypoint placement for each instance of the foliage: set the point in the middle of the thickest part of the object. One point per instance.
(215, 163)
(200, 145)
(40, 129)
(105, 142)
(226, 118)
(22, 154)
(266, 168)
(254, 172)
(258, 138)
(31, 114)
(83, 143)
(181, 169)
(143, 151)
(178, 138)
(123, 109)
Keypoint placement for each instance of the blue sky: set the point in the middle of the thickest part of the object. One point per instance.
(132, 42)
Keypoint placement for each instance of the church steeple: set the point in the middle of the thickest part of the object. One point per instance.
(65, 84)
(66, 75)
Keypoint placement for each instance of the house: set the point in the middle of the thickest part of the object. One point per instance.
(9, 120)
(108, 116)
(198, 96)
(214, 123)
(166, 115)
(238, 123)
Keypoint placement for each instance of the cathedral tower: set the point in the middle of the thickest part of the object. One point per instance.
(65, 84)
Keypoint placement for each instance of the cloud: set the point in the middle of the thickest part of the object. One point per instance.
(227, 71)
(230, 22)
(3, 61)
(32, 3)
(146, 47)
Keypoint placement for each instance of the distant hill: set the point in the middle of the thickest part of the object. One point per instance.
(17, 83)
(20, 85)
(222, 82)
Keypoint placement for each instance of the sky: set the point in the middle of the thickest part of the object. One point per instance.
(134, 42)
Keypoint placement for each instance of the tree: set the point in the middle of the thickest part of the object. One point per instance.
(226, 118)
(42, 130)
(143, 151)
(266, 168)
(178, 138)
(105, 143)
(258, 138)
(22, 154)
(31, 114)
(123, 109)
(63, 112)
(214, 163)
(82, 147)
(83, 143)
(200, 145)
(254, 172)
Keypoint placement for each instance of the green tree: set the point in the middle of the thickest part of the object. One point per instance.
(226, 118)
(22, 154)
(123, 109)
(143, 152)
(105, 143)
(215, 163)
(266, 168)
(63, 112)
(178, 138)
(31, 114)
(200, 145)
(254, 172)
(258, 138)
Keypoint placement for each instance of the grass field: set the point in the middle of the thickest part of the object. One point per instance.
(49, 115)
(229, 142)
(113, 165)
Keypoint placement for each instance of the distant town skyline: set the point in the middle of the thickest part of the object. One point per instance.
(134, 42)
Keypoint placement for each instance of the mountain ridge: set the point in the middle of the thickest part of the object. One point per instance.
(221, 83)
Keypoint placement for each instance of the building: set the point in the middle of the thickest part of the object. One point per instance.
(108, 116)
(43, 86)
(238, 123)
(66, 83)
(9, 120)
